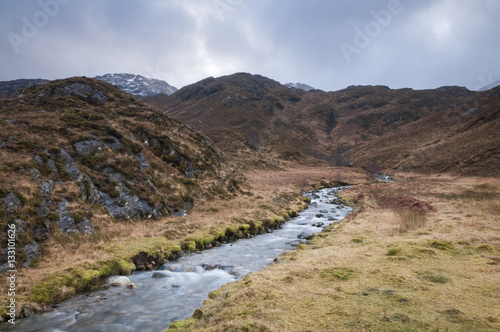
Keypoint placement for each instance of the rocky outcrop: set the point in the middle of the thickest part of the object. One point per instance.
(82, 91)
(32, 252)
(66, 223)
(87, 148)
(12, 203)
(74, 173)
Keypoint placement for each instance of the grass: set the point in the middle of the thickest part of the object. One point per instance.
(336, 284)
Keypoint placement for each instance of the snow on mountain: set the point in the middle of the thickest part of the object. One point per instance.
(300, 86)
(138, 85)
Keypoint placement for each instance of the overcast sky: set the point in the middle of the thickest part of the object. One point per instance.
(329, 44)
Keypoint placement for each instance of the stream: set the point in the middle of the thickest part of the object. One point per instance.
(179, 287)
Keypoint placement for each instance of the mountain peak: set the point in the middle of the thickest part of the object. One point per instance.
(300, 86)
(138, 85)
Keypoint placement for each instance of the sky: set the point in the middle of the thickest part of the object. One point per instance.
(328, 44)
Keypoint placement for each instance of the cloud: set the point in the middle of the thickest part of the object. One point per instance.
(426, 43)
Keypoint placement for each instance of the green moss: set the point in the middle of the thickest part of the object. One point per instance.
(442, 245)
(337, 273)
(433, 277)
(306, 199)
(181, 325)
(53, 216)
(292, 214)
(192, 246)
(394, 251)
(77, 216)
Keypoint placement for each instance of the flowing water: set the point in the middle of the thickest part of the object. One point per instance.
(179, 287)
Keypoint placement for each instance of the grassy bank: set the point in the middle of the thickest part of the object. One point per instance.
(73, 264)
(417, 255)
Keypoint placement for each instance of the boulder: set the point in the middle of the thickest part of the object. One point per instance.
(74, 173)
(46, 187)
(35, 174)
(66, 224)
(12, 203)
(21, 225)
(89, 191)
(87, 148)
(118, 281)
(86, 227)
(32, 251)
(159, 275)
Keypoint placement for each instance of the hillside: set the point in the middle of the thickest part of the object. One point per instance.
(9, 88)
(78, 153)
(462, 140)
(261, 122)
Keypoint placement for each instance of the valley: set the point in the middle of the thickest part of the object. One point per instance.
(99, 182)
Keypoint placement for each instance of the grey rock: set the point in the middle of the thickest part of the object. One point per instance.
(46, 187)
(82, 91)
(87, 148)
(159, 275)
(86, 227)
(38, 160)
(21, 225)
(118, 281)
(74, 173)
(40, 233)
(12, 203)
(52, 166)
(43, 209)
(116, 145)
(89, 191)
(470, 111)
(142, 160)
(32, 251)
(66, 224)
(2, 144)
(190, 175)
(180, 213)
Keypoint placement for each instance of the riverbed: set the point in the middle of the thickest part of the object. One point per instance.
(176, 289)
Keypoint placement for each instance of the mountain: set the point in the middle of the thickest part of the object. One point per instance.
(9, 88)
(259, 121)
(138, 85)
(79, 152)
(300, 86)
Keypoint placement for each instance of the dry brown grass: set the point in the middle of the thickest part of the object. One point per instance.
(441, 275)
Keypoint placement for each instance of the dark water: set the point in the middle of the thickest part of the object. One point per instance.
(156, 302)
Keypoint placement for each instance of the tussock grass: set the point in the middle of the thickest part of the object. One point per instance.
(423, 287)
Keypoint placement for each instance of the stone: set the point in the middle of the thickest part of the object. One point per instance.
(46, 187)
(86, 227)
(105, 286)
(66, 224)
(118, 281)
(28, 310)
(159, 275)
(21, 225)
(87, 148)
(179, 213)
(52, 166)
(116, 145)
(35, 174)
(40, 233)
(89, 191)
(142, 160)
(74, 173)
(319, 215)
(43, 209)
(12, 203)
(131, 286)
(32, 252)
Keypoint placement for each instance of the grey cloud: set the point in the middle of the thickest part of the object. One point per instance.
(427, 44)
